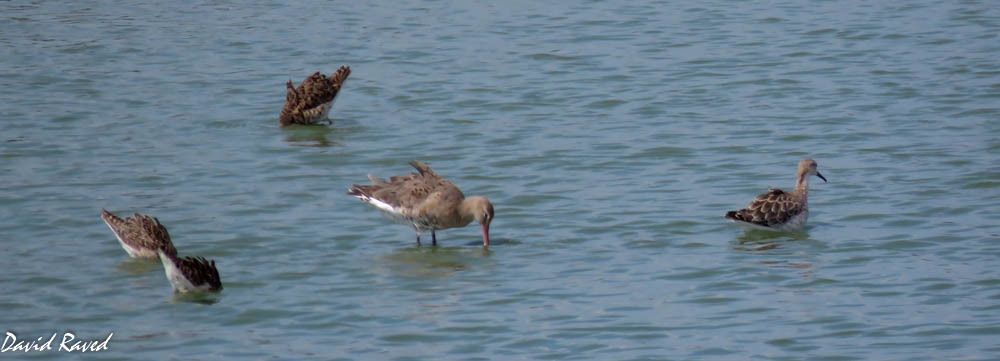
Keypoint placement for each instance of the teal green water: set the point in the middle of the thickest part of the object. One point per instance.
(610, 136)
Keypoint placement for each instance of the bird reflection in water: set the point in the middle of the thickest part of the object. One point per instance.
(310, 136)
(432, 261)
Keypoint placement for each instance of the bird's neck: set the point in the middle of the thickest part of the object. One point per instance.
(467, 210)
(802, 184)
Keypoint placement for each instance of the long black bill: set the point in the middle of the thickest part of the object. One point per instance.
(821, 176)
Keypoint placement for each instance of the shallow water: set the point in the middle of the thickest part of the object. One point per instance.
(611, 137)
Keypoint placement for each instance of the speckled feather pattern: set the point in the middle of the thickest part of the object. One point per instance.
(191, 273)
(775, 209)
(140, 235)
(310, 102)
(778, 209)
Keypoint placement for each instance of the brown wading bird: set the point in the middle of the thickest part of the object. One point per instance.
(190, 273)
(143, 236)
(426, 201)
(779, 210)
(140, 235)
(311, 101)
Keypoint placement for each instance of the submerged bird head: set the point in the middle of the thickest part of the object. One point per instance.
(482, 212)
(807, 167)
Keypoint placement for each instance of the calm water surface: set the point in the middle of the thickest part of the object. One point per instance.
(611, 136)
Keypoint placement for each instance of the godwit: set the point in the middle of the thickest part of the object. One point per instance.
(427, 201)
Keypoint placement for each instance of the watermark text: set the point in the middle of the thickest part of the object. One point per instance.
(68, 343)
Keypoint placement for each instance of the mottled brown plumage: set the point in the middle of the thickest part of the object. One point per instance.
(190, 273)
(140, 235)
(310, 102)
(427, 201)
(780, 210)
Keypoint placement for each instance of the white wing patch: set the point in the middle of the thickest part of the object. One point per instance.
(394, 213)
(382, 206)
